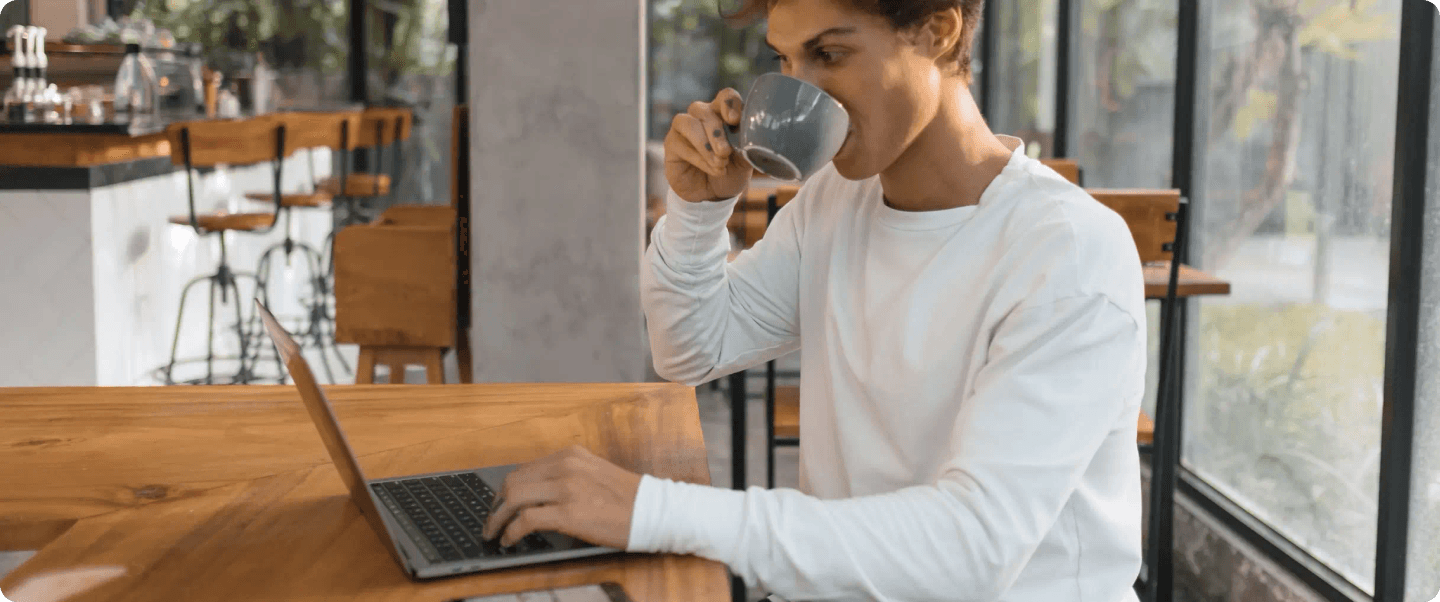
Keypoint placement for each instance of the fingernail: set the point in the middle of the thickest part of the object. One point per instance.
(707, 147)
(717, 133)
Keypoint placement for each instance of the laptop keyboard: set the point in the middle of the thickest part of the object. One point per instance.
(446, 516)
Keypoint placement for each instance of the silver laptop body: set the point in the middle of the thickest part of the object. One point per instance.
(457, 497)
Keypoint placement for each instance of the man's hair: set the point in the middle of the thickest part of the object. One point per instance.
(902, 15)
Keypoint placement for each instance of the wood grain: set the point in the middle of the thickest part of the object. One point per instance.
(1067, 168)
(397, 358)
(1145, 212)
(357, 184)
(416, 215)
(1144, 429)
(226, 493)
(219, 222)
(1191, 282)
(395, 285)
(227, 141)
(787, 412)
(295, 199)
(79, 150)
(387, 119)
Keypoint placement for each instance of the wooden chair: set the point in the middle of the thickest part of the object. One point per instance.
(380, 129)
(395, 291)
(402, 282)
(1067, 168)
(336, 131)
(216, 143)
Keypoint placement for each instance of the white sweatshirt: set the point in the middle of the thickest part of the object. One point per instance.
(970, 383)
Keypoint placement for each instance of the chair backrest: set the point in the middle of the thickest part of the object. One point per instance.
(333, 130)
(1151, 215)
(225, 142)
(1067, 168)
(383, 126)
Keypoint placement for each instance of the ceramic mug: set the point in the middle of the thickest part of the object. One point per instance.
(789, 128)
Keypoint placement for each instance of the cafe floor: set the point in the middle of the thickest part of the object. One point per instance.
(714, 420)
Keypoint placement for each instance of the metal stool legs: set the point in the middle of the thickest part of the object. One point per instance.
(228, 282)
(316, 304)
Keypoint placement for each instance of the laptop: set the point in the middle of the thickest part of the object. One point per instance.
(432, 522)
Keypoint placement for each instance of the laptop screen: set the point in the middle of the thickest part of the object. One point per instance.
(323, 417)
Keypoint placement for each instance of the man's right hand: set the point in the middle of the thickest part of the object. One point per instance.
(699, 163)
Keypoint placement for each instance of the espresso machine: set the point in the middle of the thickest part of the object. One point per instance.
(126, 79)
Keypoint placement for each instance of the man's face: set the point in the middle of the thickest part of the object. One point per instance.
(890, 90)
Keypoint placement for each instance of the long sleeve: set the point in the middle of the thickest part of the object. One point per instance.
(1059, 380)
(707, 317)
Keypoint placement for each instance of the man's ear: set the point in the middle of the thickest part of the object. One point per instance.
(938, 37)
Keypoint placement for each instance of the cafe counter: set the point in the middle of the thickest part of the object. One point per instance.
(92, 268)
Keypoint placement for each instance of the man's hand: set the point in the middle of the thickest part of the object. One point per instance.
(571, 491)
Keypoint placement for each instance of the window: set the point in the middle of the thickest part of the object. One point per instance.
(1284, 407)
(1123, 91)
(1422, 580)
(412, 64)
(1022, 79)
(694, 54)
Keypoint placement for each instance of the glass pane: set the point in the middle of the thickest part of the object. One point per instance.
(977, 66)
(693, 54)
(1422, 565)
(412, 64)
(1023, 76)
(1124, 93)
(1284, 413)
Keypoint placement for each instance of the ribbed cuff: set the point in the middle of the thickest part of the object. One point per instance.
(684, 518)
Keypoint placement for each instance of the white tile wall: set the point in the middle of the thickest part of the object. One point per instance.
(45, 289)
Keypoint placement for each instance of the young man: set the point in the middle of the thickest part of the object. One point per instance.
(973, 335)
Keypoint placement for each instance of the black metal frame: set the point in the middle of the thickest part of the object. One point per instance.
(225, 278)
(357, 64)
(1269, 542)
(319, 330)
(987, 57)
(1402, 320)
(1065, 43)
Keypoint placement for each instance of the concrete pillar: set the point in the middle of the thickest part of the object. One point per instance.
(556, 98)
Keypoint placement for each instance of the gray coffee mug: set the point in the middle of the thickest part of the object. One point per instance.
(789, 128)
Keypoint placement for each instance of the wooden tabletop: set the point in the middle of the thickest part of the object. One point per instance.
(226, 493)
(1191, 282)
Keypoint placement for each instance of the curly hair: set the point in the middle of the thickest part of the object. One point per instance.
(902, 15)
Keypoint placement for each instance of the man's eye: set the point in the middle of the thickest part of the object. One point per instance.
(827, 56)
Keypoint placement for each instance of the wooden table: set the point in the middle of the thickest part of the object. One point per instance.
(226, 493)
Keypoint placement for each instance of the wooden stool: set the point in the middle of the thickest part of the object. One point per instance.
(380, 128)
(397, 358)
(210, 144)
(310, 130)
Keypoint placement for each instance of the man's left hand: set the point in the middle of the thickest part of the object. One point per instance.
(572, 491)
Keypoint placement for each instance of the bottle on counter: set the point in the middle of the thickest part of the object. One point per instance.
(20, 63)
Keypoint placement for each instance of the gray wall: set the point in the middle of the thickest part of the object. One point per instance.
(556, 198)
